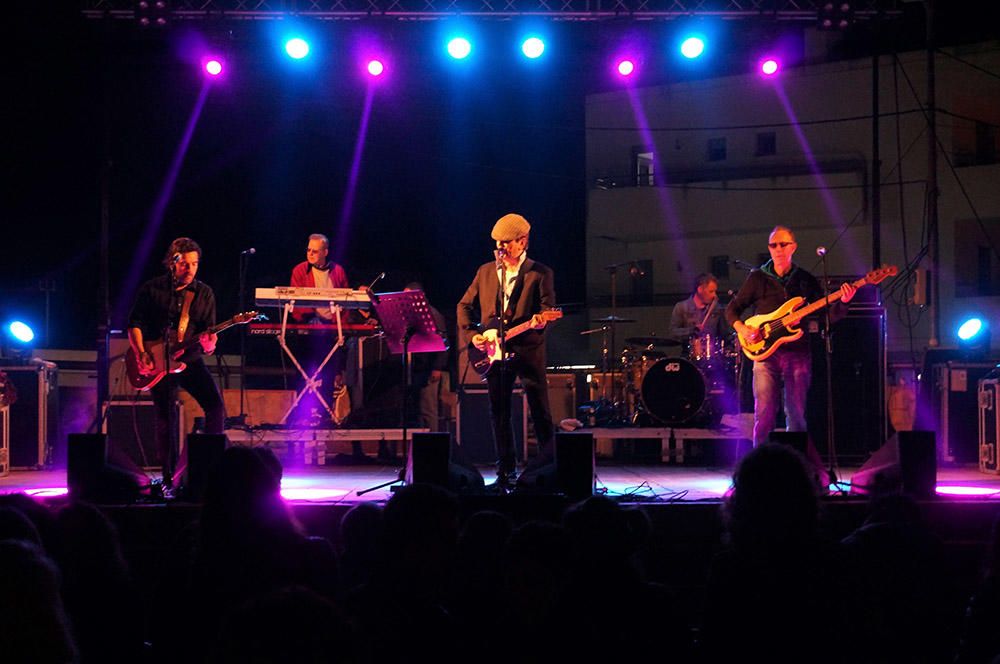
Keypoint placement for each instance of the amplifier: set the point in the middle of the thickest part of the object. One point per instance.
(475, 426)
(131, 439)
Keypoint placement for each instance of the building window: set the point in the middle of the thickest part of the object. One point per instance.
(766, 144)
(716, 149)
(643, 168)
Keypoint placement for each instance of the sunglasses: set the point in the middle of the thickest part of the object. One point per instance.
(775, 245)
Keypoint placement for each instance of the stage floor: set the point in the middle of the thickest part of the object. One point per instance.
(341, 480)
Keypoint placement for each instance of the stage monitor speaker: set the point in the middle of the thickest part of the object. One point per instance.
(204, 451)
(907, 462)
(428, 458)
(575, 464)
(89, 476)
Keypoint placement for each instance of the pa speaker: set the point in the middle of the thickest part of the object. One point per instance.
(575, 464)
(428, 458)
(204, 450)
(907, 462)
(86, 457)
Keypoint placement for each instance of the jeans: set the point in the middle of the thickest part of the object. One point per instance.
(790, 370)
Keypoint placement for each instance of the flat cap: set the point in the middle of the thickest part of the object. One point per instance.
(510, 227)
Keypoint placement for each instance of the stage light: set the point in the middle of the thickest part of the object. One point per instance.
(213, 67)
(974, 337)
(21, 332)
(459, 48)
(297, 48)
(533, 47)
(692, 47)
(769, 66)
(625, 67)
(375, 67)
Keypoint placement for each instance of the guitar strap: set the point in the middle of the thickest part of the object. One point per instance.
(182, 324)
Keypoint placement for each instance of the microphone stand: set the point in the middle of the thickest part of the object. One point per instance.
(241, 419)
(831, 447)
(506, 396)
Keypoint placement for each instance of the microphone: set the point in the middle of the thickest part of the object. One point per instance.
(821, 251)
(248, 252)
(175, 259)
(499, 254)
(377, 279)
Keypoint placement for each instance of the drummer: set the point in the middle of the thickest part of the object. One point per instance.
(701, 314)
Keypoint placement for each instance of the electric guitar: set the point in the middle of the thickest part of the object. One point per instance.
(779, 326)
(146, 380)
(482, 360)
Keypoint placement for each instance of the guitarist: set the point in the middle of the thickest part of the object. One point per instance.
(790, 366)
(529, 289)
(185, 307)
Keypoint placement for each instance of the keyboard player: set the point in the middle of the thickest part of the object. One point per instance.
(318, 271)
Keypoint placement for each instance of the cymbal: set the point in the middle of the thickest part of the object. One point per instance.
(614, 319)
(652, 341)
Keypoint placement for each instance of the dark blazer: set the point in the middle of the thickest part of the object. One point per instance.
(534, 292)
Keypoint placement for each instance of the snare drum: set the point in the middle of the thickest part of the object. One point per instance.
(673, 390)
(704, 347)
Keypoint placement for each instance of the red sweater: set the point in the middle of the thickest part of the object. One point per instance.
(302, 276)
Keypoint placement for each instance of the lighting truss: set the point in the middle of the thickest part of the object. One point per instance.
(565, 10)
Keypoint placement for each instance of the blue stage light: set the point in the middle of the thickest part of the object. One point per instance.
(692, 47)
(533, 47)
(21, 332)
(968, 330)
(459, 48)
(297, 48)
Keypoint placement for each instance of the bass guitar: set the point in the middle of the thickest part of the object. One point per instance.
(780, 326)
(143, 381)
(482, 360)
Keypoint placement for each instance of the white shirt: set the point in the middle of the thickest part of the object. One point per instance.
(511, 274)
(322, 280)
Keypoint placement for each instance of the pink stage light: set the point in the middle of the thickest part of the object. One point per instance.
(626, 68)
(213, 67)
(967, 491)
(47, 492)
(375, 67)
(312, 493)
(769, 66)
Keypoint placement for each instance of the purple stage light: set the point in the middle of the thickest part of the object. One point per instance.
(213, 67)
(769, 66)
(375, 67)
(626, 68)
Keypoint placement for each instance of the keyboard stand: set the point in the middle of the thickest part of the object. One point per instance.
(312, 384)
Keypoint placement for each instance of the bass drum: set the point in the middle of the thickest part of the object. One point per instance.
(673, 390)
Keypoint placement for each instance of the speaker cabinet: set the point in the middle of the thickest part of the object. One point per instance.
(575, 464)
(427, 461)
(858, 367)
(475, 425)
(131, 427)
(204, 451)
(86, 455)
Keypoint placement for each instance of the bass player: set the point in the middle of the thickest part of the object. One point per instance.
(789, 367)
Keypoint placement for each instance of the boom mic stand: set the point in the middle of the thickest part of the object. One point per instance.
(241, 419)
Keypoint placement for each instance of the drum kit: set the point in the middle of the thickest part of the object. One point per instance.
(694, 388)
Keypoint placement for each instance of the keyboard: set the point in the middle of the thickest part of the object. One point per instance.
(348, 298)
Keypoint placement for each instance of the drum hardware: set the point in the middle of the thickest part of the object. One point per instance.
(652, 341)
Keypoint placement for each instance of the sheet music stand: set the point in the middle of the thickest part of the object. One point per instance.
(407, 327)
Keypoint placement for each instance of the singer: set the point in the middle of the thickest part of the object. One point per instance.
(180, 306)
(513, 288)
(790, 367)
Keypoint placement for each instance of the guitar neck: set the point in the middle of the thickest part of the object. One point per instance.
(813, 307)
(212, 330)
